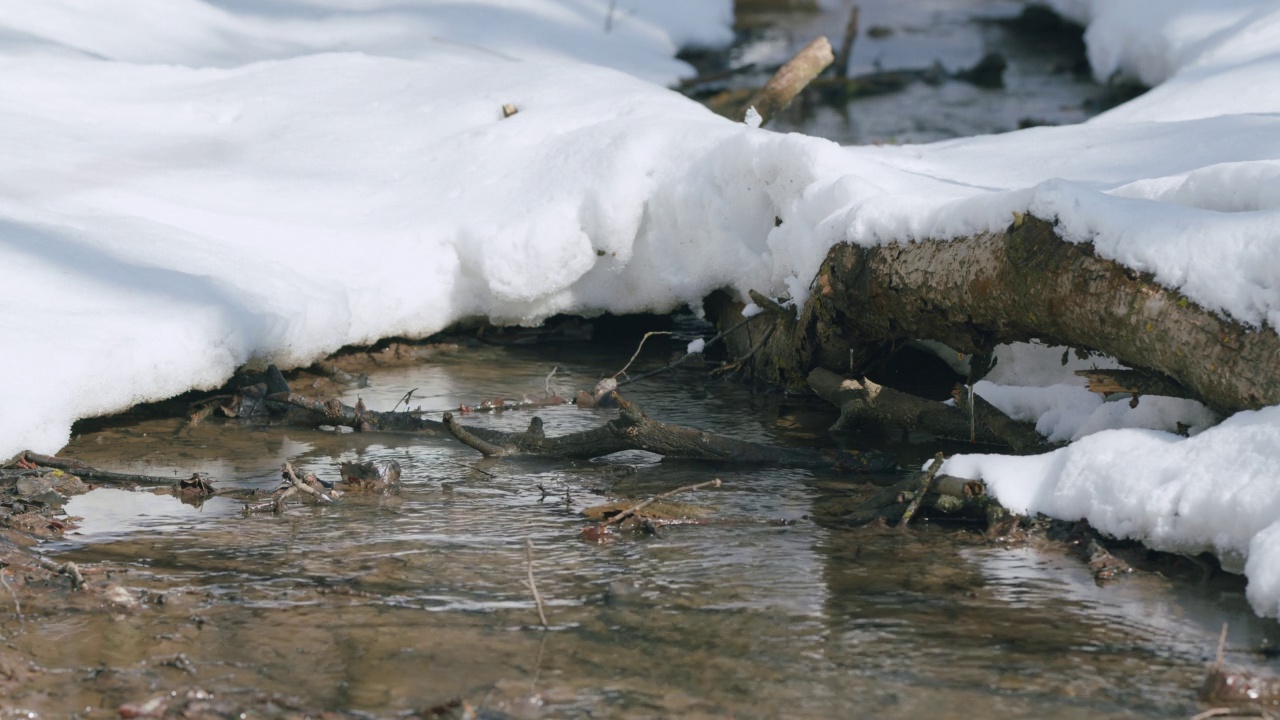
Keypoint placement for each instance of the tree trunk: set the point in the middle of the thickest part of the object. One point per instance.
(1025, 283)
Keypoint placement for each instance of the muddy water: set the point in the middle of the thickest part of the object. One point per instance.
(388, 604)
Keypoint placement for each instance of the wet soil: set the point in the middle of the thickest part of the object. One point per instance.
(382, 605)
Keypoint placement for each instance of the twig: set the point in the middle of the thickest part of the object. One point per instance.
(546, 385)
(681, 360)
(537, 664)
(921, 491)
(1222, 648)
(404, 400)
(299, 484)
(17, 606)
(642, 505)
(638, 348)
(533, 587)
(737, 364)
(846, 45)
(470, 467)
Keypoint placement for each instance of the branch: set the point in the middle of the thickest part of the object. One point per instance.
(866, 402)
(790, 79)
(633, 430)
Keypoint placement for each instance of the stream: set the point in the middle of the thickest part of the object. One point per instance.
(382, 605)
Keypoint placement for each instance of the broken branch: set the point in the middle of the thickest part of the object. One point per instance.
(789, 80)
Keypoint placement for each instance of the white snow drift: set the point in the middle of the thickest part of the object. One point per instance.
(188, 186)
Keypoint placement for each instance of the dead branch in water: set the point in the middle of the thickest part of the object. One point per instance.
(32, 460)
(646, 503)
(633, 430)
(923, 487)
(533, 587)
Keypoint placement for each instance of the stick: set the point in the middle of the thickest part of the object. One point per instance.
(537, 598)
(469, 439)
(638, 348)
(923, 489)
(737, 364)
(790, 79)
(17, 606)
(298, 484)
(846, 45)
(642, 505)
(85, 472)
(404, 400)
(676, 363)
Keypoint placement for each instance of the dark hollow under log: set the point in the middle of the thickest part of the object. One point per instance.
(1025, 283)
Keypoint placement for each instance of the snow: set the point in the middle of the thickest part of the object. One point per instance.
(696, 346)
(191, 186)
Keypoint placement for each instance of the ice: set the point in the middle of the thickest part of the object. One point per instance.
(189, 187)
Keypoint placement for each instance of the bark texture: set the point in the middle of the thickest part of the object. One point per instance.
(1025, 283)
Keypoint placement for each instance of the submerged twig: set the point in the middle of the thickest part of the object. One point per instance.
(17, 606)
(533, 587)
(925, 482)
(646, 503)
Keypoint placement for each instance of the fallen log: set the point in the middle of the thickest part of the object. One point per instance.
(863, 402)
(1025, 283)
(633, 430)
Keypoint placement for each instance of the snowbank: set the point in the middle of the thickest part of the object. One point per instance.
(188, 186)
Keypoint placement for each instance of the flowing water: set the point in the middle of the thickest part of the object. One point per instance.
(383, 604)
(388, 604)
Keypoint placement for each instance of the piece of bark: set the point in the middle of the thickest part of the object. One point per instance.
(863, 402)
(973, 293)
(1132, 382)
(789, 80)
(633, 430)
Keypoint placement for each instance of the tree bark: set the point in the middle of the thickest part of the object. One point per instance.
(1025, 283)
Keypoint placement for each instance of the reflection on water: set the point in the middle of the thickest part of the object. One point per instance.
(388, 603)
